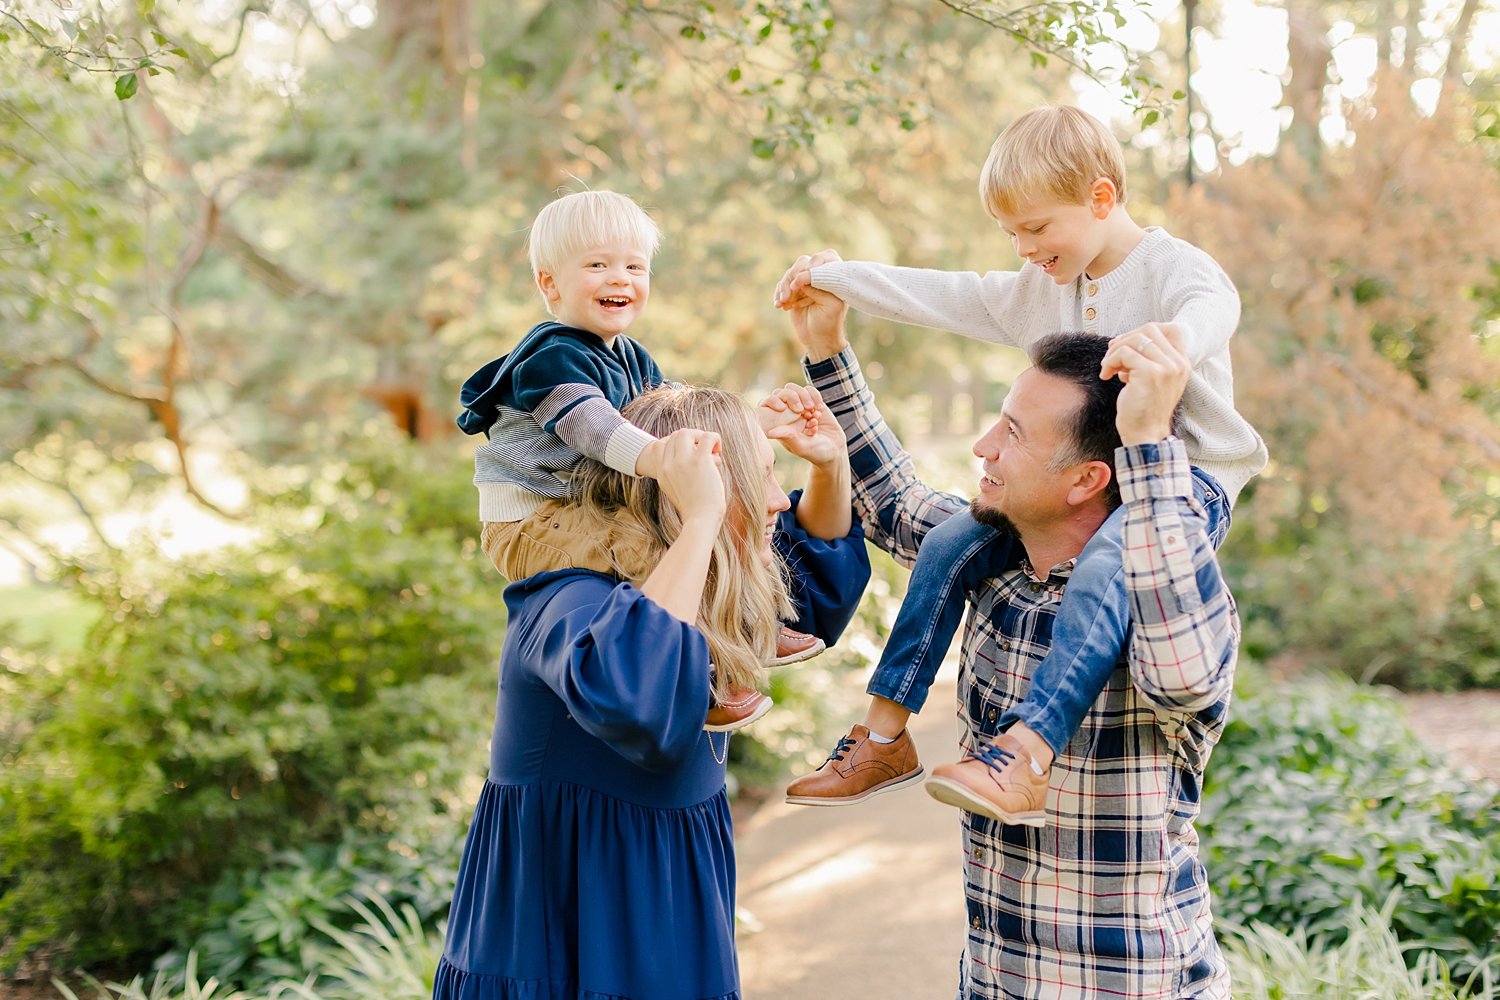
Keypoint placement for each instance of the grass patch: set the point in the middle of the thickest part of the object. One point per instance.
(47, 616)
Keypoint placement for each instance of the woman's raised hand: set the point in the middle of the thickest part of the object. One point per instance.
(689, 475)
(796, 416)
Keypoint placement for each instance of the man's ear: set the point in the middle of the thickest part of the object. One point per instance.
(547, 285)
(1103, 197)
(1091, 480)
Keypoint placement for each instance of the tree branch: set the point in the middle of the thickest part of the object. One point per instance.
(77, 501)
(225, 238)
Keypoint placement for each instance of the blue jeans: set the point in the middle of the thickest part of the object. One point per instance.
(1088, 635)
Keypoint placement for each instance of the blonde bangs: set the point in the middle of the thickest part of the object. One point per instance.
(584, 219)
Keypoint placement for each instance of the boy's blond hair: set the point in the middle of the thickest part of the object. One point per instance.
(1051, 153)
(583, 219)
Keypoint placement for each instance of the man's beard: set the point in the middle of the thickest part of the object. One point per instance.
(988, 516)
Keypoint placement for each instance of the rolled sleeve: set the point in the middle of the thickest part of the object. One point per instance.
(1186, 632)
(896, 508)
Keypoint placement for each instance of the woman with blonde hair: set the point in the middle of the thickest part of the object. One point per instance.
(600, 863)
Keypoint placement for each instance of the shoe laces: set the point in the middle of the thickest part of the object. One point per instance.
(997, 757)
(846, 744)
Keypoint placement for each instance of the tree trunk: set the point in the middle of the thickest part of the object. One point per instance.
(1413, 36)
(1308, 56)
(1458, 43)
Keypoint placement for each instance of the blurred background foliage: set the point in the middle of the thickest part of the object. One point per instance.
(252, 248)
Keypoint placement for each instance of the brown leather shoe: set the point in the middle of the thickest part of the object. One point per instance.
(794, 647)
(858, 768)
(740, 707)
(996, 781)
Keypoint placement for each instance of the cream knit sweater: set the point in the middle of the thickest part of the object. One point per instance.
(1163, 280)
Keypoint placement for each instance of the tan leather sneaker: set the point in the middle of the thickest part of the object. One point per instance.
(794, 647)
(740, 707)
(858, 768)
(995, 781)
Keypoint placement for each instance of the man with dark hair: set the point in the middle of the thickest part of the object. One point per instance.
(1110, 898)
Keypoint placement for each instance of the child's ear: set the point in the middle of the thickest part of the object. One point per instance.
(1103, 197)
(547, 285)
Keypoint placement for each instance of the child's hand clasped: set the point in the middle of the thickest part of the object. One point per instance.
(791, 290)
(797, 418)
(689, 475)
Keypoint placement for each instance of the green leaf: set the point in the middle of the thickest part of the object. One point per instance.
(146, 7)
(1151, 118)
(125, 86)
(734, 74)
(763, 149)
(1178, 95)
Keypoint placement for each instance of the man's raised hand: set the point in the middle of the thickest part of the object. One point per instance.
(1152, 363)
(792, 287)
(796, 416)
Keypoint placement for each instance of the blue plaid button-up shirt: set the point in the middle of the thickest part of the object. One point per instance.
(1110, 899)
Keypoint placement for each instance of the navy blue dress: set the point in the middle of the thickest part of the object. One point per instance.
(600, 864)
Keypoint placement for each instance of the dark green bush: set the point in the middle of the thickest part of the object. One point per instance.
(1309, 600)
(1320, 796)
(265, 924)
(336, 677)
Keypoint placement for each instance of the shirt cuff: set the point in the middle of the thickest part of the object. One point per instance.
(842, 367)
(1159, 470)
(625, 446)
(831, 277)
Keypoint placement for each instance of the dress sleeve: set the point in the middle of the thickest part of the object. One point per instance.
(628, 672)
(828, 577)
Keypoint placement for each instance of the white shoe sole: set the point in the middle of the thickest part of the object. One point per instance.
(953, 794)
(760, 710)
(850, 800)
(786, 661)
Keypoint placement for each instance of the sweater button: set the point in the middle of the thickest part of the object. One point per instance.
(1090, 313)
(1093, 288)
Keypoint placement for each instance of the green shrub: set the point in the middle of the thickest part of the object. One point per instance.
(1367, 629)
(161, 987)
(335, 677)
(388, 955)
(1367, 962)
(1320, 798)
(385, 952)
(260, 925)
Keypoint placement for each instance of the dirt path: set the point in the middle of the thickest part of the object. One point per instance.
(1465, 726)
(863, 901)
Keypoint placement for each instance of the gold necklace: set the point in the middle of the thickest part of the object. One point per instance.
(718, 758)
